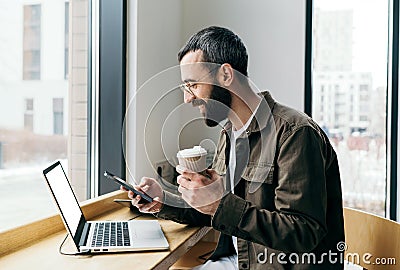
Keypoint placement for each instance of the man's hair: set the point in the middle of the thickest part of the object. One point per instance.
(219, 45)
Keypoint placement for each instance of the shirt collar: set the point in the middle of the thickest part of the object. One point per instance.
(261, 117)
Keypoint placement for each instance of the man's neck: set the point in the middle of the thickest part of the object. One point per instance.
(243, 108)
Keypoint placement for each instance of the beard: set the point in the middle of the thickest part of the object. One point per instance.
(217, 107)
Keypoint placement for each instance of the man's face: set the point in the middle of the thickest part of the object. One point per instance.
(218, 105)
(213, 101)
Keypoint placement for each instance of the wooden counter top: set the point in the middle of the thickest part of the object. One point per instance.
(44, 254)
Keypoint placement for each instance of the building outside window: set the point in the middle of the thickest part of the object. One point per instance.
(38, 105)
(349, 93)
(32, 42)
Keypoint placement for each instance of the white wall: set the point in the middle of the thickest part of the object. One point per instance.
(273, 31)
(274, 34)
(158, 38)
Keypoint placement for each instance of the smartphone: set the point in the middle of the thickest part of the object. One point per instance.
(144, 197)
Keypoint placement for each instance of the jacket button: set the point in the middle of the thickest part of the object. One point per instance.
(222, 227)
(244, 265)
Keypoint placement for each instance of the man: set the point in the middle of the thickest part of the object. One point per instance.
(274, 189)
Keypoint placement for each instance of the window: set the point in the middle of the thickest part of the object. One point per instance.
(55, 118)
(58, 116)
(343, 38)
(66, 40)
(364, 87)
(32, 42)
(43, 116)
(28, 116)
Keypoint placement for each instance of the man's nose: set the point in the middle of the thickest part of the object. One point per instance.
(187, 98)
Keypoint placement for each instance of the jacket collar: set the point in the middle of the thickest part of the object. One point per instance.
(261, 117)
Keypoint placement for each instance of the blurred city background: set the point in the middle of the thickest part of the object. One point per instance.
(349, 98)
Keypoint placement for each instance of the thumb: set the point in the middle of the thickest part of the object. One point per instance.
(157, 199)
(146, 181)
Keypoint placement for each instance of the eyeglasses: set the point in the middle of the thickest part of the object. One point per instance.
(188, 86)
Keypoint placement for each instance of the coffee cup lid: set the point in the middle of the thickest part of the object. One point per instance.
(192, 152)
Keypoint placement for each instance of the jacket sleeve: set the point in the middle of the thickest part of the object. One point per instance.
(176, 209)
(298, 224)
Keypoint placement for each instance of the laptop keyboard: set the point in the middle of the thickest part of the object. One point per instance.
(112, 234)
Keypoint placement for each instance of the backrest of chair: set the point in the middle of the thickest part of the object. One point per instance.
(370, 234)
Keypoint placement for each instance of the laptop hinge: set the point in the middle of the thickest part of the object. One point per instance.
(84, 235)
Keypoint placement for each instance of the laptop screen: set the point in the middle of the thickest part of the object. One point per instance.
(64, 196)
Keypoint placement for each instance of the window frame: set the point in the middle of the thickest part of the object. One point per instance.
(107, 93)
(308, 59)
(392, 113)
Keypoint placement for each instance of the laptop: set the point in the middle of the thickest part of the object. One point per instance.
(100, 236)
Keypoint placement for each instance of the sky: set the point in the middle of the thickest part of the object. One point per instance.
(370, 18)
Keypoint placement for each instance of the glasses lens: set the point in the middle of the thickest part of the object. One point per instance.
(185, 87)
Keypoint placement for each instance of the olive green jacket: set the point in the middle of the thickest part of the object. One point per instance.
(286, 210)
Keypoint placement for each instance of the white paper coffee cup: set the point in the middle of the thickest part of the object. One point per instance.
(193, 159)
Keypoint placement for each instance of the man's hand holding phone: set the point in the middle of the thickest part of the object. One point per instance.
(152, 188)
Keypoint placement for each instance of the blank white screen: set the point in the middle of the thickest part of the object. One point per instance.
(65, 197)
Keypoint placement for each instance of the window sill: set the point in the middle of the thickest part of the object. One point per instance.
(26, 235)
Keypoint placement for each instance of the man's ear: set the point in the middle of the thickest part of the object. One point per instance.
(226, 75)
